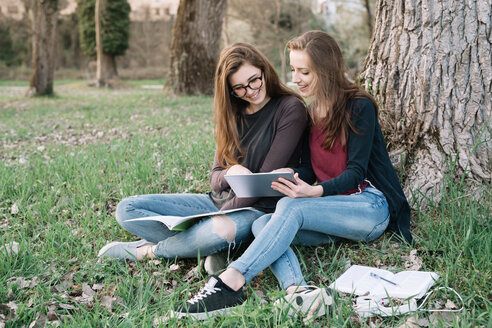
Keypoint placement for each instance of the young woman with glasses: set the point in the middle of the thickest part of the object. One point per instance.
(259, 123)
(357, 195)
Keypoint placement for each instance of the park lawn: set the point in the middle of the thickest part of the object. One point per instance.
(66, 161)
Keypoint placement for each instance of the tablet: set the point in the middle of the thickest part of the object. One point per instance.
(256, 184)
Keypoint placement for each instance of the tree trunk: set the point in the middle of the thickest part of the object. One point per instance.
(429, 65)
(195, 46)
(369, 17)
(43, 45)
(101, 80)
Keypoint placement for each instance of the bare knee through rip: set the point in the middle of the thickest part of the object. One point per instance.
(223, 226)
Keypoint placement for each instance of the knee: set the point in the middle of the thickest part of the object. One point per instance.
(223, 226)
(122, 210)
(259, 224)
(285, 204)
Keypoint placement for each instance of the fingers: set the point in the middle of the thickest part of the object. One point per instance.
(283, 188)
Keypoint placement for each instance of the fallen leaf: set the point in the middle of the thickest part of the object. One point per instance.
(11, 248)
(411, 322)
(193, 273)
(98, 286)
(173, 267)
(9, 310)
(14, 209)
(66, 306)
(442, 319)
(86, 289)
(450, 305)
(39, 322)
(107, 302)
(52, 315)
(20, 281)
(413, 262)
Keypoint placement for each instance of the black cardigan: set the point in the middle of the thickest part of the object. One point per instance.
(367, 159)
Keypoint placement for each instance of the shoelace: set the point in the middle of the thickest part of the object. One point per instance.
(206, 291)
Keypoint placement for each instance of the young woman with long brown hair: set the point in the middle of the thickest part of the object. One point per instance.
(357, 195)
(259, 123)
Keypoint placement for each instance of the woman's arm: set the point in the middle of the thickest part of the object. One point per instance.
(217, 181)
(289, 130)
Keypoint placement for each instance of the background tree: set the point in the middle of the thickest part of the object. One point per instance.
(43, 44)
(272, 26)
(429, 64)
(115, 32)
(195, 46)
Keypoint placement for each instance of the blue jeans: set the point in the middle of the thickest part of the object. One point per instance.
(208, 236)
(310, 221)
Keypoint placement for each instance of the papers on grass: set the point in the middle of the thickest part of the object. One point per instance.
(359, 281)
(181, 223)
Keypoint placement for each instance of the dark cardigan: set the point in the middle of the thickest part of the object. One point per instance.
(367, 159)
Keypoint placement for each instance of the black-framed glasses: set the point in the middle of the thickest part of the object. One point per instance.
(254, 84)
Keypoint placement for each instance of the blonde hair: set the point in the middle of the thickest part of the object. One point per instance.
(332, 90)
(227, 108)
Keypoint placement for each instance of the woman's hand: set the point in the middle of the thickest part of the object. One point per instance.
(238, 170)
(300, 189)
(284, 169)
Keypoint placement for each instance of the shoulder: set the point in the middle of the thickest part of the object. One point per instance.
(290, 105)
(362, 107)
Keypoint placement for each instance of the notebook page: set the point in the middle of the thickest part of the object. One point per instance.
(415, 282)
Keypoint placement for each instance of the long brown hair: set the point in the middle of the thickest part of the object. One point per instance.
(332, 90)
(228, 108)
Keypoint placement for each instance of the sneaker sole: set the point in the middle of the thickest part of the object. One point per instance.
(202, 315)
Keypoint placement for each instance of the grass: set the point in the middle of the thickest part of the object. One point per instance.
(66, 161)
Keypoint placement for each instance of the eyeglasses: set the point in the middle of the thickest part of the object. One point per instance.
(254, 84)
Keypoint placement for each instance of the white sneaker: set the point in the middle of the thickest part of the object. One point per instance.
(122, 250)
(214, 263)
(310, 303)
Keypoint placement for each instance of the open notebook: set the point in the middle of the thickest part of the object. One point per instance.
(360, 280)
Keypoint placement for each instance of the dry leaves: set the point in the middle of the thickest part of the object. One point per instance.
(10, 248)
(14, 209)
(413, 262)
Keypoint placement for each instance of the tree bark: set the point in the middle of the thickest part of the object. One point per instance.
(43, 44)
(195, 46)
(429, 65)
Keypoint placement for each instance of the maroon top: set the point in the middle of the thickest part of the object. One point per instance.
(271, 139)
(328, 164)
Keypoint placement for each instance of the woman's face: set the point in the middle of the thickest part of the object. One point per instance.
(248, 84)
(302, 75)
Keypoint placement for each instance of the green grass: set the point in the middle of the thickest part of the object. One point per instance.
(66, 161)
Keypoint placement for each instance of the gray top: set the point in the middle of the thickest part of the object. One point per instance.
(270, 139)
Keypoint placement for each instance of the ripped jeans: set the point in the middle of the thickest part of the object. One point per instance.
(310, 221)
(210, 235)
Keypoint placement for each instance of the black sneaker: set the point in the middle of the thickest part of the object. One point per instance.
(215, 298)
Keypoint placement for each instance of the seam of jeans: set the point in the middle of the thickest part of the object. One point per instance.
(367, 238)
(130, 206)
(292, 273)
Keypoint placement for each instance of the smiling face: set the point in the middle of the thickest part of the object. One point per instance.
(302, 74)
(245, 75)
